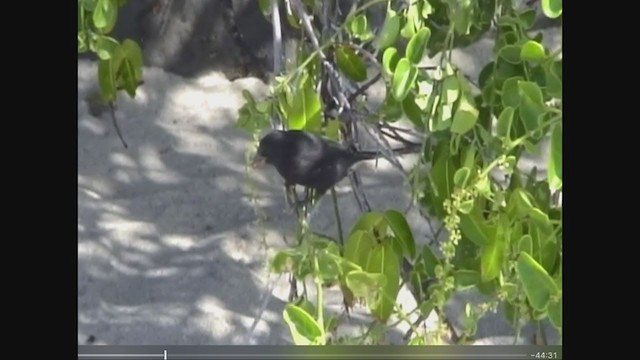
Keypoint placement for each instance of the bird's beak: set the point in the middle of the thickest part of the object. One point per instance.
(258, 161)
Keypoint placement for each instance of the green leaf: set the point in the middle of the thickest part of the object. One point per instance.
(441, 176)
(328, 267)
(265, 8)
(107, 79)
(391, 109)
(306, 108)
(511, 53)
(461, 18)
(105, 15)
(351, 64)
(401, 229)
(530, 113)
(384, 260)
(511, 291)
(284, 261)
(522, 201)
(504, 122)
(511, 93)
(450, 89)
(554, 167)
(465, 117)
(412, 22)
(466, 206)
(430, 260)
(426, 307)
(554, 83)
(358, 247)
(532, 91)
(131, 50)
(365, 284)
(466, 278)
(461, 176)
(427, 9)
(369, 221)
(359, 28)
(540, 218)
(492, 257)
(304, 328)
(332, 131)
(404, 78)
(417, 44)
(90, 5)
(82, 42)
(412, 111)
(552, 8)
(474, 227)
(532, 51)
(390, 60)
(128, 74)
(389, 32)
(106, 47)
(526, 244)
(531, 105)
(538, 285)
(555, 313)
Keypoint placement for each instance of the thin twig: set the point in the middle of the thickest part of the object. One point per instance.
(115, 124)
(266, 297)
(333, 77)
(361, 90)
(277, 51)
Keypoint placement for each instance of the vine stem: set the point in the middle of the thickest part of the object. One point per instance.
(338, 222)
(320, 294)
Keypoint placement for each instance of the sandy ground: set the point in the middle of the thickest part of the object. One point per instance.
(171, 250)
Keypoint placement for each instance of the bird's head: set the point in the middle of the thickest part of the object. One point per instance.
(268, 149)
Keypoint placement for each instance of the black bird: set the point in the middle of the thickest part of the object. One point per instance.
(306, 159)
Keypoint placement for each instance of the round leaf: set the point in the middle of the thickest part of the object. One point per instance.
(304, 328)
(365, 284)
(390, 59)
(511, 93)
(404, 78)
(461, 176)
(360, 28)
(504, 122)
(132, 51)
(306, 108)
(105, 15)
(412, 111)
(351, 64)
(401, 229)
(554, 83)
(451, 89)
(358, 247)
(537, 284)
(552, 8)
(107, 79)
(466, 206)
(465, 117)
(555, 313)
(389, 32)
(492, 257)
(511, 53)
(466, 278)
(532, 51)
(554, 171)
(384, 260)
(417, 44)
